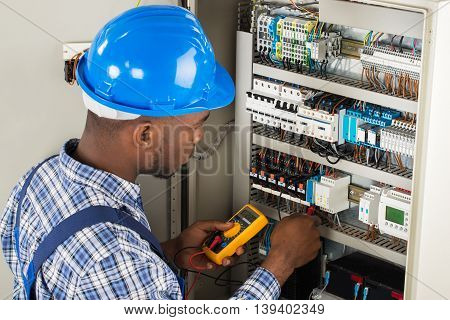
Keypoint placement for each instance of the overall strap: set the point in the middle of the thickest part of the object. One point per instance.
(78, 221)
(22, 194)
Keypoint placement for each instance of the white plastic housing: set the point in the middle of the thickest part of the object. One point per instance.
(397, 199)
(331, 193)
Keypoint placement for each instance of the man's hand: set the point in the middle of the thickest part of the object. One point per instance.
(295, 242)
(194, 236)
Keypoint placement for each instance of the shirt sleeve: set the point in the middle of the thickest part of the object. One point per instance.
(126, 275)
(262, 285)
(7, 223)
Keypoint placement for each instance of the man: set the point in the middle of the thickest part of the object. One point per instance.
(74, 226)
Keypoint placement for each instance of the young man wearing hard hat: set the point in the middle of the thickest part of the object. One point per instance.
(74, 226)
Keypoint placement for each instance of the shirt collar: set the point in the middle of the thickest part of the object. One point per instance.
(111, 185)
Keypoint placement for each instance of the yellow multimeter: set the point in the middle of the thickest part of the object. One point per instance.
(247, 223)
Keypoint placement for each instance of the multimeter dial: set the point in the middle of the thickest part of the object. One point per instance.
(234, 230)
(247, 222)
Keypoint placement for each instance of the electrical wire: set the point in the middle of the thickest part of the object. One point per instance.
(228, 127)
(197, 276)
(191, 261)
(219, 277)
(75, 59)
(225, 282)
(301, 7)
(279, 207)
(327, 151)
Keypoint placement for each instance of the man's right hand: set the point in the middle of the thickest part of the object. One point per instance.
(295, 242)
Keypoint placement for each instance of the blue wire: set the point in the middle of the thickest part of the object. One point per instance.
(365, 293)
(356, 290)
(327, 278)
(268, 236)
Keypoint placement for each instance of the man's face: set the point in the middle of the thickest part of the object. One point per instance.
(173, 140)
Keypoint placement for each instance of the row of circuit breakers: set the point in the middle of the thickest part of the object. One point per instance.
(383, 206)
(331, 118)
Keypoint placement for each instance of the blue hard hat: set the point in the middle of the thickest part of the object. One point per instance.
(154, 61)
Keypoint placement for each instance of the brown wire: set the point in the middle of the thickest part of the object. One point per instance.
(337, 104)
(75, 59)
(320, 100)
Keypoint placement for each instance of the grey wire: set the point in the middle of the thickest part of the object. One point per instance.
(216, 144)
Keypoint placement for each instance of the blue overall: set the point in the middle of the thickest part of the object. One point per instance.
(78, 221)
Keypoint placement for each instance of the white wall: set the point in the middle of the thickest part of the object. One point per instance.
(39, 111)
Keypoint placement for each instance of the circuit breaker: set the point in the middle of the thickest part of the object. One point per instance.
(368, 206)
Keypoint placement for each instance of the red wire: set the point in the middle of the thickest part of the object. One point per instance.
(197, 276)
(198, 268)
(192, 263)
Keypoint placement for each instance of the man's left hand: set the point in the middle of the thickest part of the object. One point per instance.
(194, 236)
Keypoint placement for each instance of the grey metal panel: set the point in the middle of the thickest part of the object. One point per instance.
(347, 166)
(213, 179)
(336, 88)
(372, 17)
(155, 197)
(343, 238)
(175, 205)
(242, 135)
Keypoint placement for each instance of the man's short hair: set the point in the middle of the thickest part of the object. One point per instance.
(104, 125)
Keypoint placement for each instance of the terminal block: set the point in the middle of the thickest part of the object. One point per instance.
(294, 40)
(398, 140)
(386, 60)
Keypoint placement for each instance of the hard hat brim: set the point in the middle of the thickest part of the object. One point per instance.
(221, 95)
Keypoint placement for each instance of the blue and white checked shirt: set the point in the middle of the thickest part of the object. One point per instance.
(105, 261)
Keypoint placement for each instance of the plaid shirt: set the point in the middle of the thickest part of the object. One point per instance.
(105, 261)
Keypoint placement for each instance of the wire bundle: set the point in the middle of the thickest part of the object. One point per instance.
(218, 280)
(264, 243)
(396, 82)
(329, 150)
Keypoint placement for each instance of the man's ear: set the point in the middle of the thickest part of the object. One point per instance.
(144, 135)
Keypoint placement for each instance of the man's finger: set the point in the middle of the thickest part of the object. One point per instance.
(213, 225)
(202, 262)
(229, 261)
(240, 251)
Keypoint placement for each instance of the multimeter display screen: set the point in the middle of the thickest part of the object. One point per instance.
(246, 217)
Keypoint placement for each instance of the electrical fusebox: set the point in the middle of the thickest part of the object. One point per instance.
(331, 104)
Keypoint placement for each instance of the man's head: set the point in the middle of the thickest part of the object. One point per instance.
(154, 145)
(149, 80)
